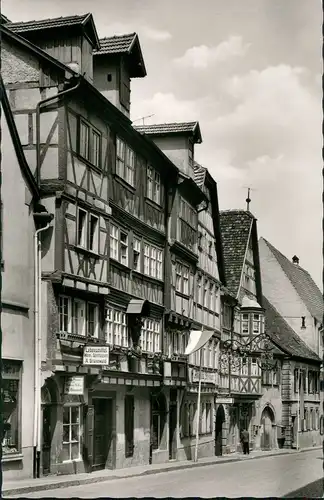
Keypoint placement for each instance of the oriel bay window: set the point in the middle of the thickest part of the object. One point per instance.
(118, 244)
(89, 143)
(87, 230)
(125, 162)
(71, 449)
(153, 186)
(11, 407)
(116, 327)
(78, 317)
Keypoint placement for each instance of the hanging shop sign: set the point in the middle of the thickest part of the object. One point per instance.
(206, 376)
(74, 386)
(96, 355)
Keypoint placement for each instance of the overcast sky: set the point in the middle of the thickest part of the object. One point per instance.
(250, 72)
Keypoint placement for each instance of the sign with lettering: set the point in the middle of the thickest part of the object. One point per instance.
(96, 355)
(206, 376)
(74, 385)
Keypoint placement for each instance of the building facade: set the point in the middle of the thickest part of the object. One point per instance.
(292, 292)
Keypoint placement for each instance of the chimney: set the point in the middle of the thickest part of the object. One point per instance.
(295, 260)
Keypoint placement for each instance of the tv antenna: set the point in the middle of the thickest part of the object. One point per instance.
(143, 118)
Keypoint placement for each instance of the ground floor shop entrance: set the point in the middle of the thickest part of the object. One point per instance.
(102, 432)
(220, 419)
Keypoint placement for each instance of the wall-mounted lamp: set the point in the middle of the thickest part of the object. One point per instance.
(303, 326)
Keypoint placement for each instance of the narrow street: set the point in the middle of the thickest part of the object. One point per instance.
(299, 474)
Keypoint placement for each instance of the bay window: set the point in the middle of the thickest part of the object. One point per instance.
(118, 244)
(125, 162)
(256, 324)
(87, 230)
(78, 317)
(116, 327)
(153, 186)
(11, 407)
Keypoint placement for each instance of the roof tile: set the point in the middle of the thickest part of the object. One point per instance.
(284, 336)
(115, 44)
(303, 283)
(57, 22)
(235, 230)
(199, 174)
(167, 128)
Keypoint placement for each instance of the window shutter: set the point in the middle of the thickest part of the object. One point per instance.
(129, 425)
(89, 428)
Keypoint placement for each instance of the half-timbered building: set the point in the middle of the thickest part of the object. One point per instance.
(104, 271)
(240, 382)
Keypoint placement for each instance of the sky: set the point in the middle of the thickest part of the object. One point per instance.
(250, 72)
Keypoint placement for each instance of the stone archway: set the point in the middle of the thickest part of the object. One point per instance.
(267, 429)
(219, 421)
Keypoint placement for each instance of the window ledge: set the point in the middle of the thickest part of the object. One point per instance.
(119, 264)
(124, 183)
(153, 203)
(89, 163)
(148, 277)
(14, 457)
(90, 253)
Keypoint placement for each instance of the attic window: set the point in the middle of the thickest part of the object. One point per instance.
(109, 77)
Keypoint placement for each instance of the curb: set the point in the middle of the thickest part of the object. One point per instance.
(147, 472)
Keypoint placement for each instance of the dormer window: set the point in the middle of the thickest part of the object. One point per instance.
(191, 153)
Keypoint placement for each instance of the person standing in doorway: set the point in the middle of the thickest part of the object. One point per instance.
(245, 439)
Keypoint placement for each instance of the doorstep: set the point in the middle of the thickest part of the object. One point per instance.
(22, 486)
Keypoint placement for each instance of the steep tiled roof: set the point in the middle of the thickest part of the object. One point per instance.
(56, 22)
(301, 280)
(116, 44)
(199, 174)
(284, 336)
(235, 230)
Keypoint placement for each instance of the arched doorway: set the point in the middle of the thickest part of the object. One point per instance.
(267, 429)
(49, 399)
(158, 421)
(220, 419)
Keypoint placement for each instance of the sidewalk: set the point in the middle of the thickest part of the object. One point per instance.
(22, 486)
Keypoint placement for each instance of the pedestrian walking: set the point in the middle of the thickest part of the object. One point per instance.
(245, 439)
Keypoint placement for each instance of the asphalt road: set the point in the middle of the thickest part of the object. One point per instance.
(294, 475)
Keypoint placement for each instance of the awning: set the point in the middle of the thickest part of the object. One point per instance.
(138, 306)
(197, 339)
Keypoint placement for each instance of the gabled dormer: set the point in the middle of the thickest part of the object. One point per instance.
(69, 39)
(118, 60)
(177, 141)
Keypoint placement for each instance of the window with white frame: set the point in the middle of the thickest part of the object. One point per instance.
(256, 324)
(116, 327)
(87, 230)
(151, 335)
(125, 162)
(118, 244)
(188, 213)
(137, 254)
(245, 319)
(198, 289)
(89, 143)
(182, 278)
(153, 186)
(206, 294)
(78, 317)
(153, 258)
(71, 449)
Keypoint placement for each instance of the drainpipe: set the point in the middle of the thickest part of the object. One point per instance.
(37, 341)
(38, 112)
